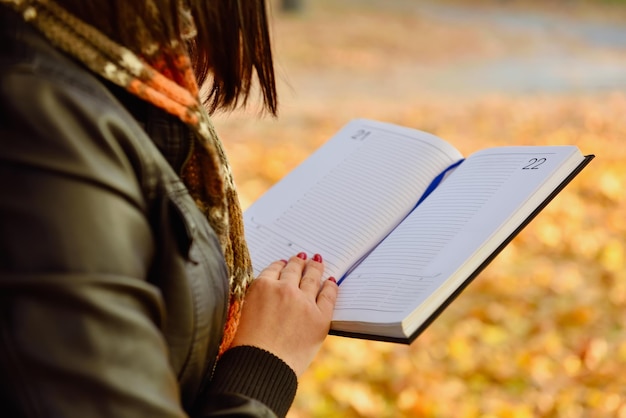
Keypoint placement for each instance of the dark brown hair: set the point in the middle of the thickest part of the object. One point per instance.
(231, 46)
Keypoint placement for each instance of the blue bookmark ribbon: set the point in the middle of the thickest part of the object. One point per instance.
(431, 187)
(437, 180)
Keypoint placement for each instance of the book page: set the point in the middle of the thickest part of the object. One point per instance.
(347, 196)
(460, 224)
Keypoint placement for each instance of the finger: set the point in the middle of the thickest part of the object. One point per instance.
(312, 276)
(292, 272)
(327, 298)
(273, 270)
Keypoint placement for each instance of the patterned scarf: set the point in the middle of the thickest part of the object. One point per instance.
(163, 76)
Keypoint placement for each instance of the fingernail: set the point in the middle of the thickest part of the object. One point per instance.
(332, 279)
(317, 258)
(302, 256)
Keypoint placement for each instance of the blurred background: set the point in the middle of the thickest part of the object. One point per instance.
(542, 331)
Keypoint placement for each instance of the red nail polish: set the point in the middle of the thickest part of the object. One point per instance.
(317, 258)
(332, 279)
(284, 261)
(302, 256)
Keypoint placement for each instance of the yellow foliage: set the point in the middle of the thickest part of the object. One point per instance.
(612, 256)
(611, 185)
(542, 331)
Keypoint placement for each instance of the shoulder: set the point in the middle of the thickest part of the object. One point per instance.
(56, 115)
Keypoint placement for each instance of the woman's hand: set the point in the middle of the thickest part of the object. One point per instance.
(287, 311)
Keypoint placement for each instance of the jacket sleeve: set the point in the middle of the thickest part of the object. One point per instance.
(252, 373)
(79, 322)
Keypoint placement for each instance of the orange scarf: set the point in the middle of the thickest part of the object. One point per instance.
(163, 76)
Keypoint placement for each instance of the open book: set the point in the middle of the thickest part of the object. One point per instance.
(402, 220)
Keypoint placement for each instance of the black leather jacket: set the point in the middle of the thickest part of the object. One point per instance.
(112, 285)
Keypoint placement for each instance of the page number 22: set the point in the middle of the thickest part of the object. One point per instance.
(534, 163)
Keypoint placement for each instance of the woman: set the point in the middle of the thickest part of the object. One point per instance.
(123, 267)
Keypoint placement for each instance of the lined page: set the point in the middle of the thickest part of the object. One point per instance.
(451, 226)
(346, 197)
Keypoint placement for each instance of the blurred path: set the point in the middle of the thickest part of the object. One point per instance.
(427, 47)
(563, 53)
